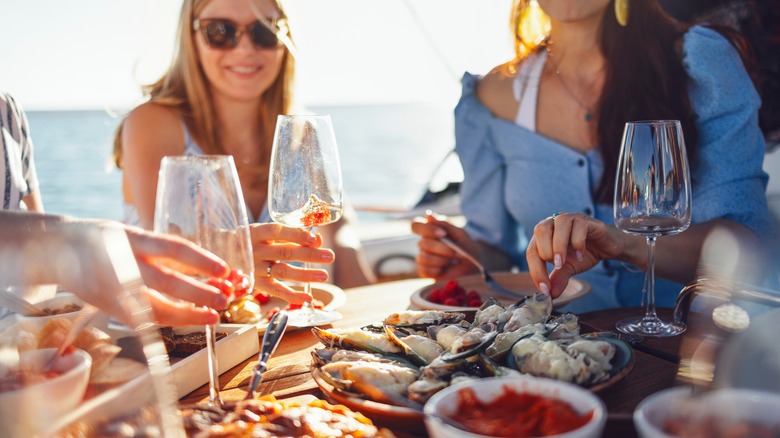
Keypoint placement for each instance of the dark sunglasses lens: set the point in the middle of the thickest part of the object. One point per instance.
(262, 37)
(221, 34)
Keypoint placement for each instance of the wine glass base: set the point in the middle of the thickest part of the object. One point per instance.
(650, 327)
(311, 318)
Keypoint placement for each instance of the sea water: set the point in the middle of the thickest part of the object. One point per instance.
(388, 155)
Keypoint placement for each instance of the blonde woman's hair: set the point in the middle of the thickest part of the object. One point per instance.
(184, 87)
(530, 26)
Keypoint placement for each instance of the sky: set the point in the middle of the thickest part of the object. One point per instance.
(95, 54)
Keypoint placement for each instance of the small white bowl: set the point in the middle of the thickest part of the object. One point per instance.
(29, 410)
(726, 404)
(445, 403)
(59, 301)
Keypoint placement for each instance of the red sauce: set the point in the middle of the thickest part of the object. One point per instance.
(515, 414)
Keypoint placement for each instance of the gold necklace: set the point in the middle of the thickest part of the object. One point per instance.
(588, 112)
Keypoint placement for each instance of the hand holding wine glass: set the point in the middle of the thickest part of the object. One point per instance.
(652, 199)
(199, 198)
(305, 188)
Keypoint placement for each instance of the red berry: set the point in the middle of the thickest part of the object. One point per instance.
(262, 297)
(224, 285)
(435, 295)
(451, 285)
(446, 294)
(460, 292)
(473, 295)
(241, 283)
(451, 302)
(475, 303)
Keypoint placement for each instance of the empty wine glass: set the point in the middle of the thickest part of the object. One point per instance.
(199, 198)
(305, 188)
(652, 199)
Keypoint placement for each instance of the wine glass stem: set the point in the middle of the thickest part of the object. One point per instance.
(650, 280)
(211, 342)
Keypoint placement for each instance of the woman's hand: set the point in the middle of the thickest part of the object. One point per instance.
(157, 255)
(437, 260)
(574, 243)
(274, 247)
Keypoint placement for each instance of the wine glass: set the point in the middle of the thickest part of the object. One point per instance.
(304, 188)
(652, 199)
(199, 198)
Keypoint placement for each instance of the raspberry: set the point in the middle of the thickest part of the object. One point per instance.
(475, 303)
(451, 302)
(435, 295)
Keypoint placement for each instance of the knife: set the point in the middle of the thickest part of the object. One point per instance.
(273, 334)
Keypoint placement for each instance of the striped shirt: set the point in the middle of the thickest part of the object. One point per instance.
(17, 168)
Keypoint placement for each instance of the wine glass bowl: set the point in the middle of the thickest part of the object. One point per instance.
(305, 187)
(652, 199)
(199, 198)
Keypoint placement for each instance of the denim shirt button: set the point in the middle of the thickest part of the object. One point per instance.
(581, 162)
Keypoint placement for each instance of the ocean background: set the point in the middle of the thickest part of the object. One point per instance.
(388, 155)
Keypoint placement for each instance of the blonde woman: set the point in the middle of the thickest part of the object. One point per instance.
(229, 79)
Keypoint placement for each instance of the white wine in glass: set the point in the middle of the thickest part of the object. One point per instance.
(199, 198)
(305, 188)
(652, 199)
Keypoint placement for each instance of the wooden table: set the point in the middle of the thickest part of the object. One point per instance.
(288, 375)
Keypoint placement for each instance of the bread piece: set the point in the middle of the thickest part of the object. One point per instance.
(90, 338)
(102, 355)
(53, 333)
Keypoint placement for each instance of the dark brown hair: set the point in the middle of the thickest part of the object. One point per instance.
(646, 80)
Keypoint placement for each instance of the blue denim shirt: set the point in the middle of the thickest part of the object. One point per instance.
(514, 177)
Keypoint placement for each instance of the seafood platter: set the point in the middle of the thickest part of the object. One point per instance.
(389, 369)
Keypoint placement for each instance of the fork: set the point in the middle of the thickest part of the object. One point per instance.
(492, 284)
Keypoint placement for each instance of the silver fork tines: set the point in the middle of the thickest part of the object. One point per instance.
(492, 284)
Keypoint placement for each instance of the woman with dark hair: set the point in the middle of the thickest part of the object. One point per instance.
(541, 134)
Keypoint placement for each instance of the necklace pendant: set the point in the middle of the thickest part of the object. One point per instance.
(588, 117)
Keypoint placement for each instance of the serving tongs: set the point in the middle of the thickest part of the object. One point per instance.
(491, 282)
(271, 337)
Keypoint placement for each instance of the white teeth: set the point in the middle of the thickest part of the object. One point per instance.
(244, 69)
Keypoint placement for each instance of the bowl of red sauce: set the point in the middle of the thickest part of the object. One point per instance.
(517, 406)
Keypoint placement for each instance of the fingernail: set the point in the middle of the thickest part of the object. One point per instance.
(311, 238)
(429, 212)
(543, 288)
(578, 253)
(320, 276)
(558, 261)
(327, 257)
(212, 317)
(440, 233)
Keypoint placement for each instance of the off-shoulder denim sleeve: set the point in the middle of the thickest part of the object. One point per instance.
(728, 178)
(481, 192)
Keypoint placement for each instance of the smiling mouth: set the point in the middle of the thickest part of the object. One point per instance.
(244, 69)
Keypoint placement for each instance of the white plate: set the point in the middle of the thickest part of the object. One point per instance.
(332, 298)
(520, 282)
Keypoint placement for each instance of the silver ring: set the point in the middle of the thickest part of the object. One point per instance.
(555, 215)
(268, 268)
